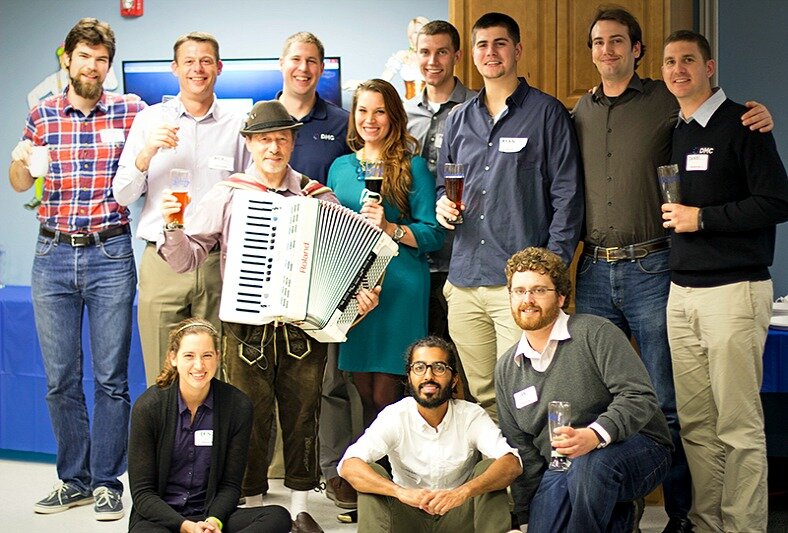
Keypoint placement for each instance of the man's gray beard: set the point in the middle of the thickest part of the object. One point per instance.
(89, 91)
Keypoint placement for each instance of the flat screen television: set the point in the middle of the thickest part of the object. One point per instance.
(244, 81)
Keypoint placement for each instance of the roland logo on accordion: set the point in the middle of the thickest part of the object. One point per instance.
(299, 260)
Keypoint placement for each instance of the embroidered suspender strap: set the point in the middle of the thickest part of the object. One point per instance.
(243, 181)
(310, 187)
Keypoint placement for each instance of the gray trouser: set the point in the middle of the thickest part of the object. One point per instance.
(336, 414)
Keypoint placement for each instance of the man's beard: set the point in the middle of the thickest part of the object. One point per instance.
(89, 91)
(439, 398)
(546, 317)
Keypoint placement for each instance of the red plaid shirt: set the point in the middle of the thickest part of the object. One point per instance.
(84, 153)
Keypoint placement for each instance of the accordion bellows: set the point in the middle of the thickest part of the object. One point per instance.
(299, 260)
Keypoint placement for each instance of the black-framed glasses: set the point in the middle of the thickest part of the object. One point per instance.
(538, 292)
(420, 368)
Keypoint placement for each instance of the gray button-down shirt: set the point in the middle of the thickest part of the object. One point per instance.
(427, 126)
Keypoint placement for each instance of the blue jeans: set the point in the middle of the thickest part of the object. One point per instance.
(66, 280)
(634, 296)
(597, 491)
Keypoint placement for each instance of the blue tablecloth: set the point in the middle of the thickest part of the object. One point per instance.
(775, 362)
(24, 419)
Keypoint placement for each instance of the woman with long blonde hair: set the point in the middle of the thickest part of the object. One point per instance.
(405, 210)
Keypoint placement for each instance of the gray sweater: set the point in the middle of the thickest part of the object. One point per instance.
(599, 373)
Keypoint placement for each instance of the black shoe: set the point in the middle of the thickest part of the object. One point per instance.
(678, 525)
(349, 517)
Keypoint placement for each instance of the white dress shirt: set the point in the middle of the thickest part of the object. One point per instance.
(425, 457)
(210, 146)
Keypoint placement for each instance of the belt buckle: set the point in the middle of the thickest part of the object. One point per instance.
(608, 251)
(75, 242)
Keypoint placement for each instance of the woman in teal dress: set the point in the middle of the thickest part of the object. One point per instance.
(377, 134)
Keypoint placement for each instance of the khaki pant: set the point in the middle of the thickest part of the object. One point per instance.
(482, 327)
(166, 298)
(717, 336)
(486, 513)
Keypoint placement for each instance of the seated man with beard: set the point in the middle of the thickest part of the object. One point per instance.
(434, 444)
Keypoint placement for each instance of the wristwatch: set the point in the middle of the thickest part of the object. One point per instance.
(399, 233)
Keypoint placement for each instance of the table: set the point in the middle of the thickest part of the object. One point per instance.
(24, 418)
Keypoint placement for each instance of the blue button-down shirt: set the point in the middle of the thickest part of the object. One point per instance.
(321, 139)
(523, 183)
(191, 464)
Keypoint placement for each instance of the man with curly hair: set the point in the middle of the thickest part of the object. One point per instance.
(618, 443)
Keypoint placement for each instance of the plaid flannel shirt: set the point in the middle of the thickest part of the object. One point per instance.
(84, 153)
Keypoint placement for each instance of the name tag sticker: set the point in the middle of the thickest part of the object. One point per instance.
(438, 140)
(511, 145)
(697, 162)
(221, 162)
(203, 437)
(525, 397)
(112, 136)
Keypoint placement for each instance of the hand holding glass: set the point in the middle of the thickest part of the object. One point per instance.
(180, 179)
(169, 114)
(558, 415)
(670, 183)
(454, 181)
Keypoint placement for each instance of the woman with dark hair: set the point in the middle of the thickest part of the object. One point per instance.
(405, 210)
(188, 446)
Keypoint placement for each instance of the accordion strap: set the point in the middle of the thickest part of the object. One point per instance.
(309, 187)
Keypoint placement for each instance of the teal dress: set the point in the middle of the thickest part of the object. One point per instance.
(378, 342)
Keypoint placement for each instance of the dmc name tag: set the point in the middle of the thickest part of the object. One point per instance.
(112, 136)
(220, 162)
(697, 162)
(511, 145)
(525, 397)
(203, 437)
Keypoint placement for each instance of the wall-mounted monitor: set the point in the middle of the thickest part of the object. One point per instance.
(244, 80)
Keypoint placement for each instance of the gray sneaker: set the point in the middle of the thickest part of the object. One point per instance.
(108, 505)
(63, 496)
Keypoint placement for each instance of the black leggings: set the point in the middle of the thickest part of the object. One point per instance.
(267, 519)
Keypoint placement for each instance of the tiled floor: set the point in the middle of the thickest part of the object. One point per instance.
(25, 482)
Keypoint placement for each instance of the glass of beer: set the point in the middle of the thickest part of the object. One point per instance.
(454, 181)
(373, 182)
(670, 183)
(180, 179)
(558, 415)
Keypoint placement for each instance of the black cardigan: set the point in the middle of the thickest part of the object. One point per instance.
(154, 420)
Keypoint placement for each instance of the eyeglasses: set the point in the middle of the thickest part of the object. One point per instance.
(420, 368)
(538, 292)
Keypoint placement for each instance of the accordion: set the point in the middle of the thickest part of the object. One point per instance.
(299, 260)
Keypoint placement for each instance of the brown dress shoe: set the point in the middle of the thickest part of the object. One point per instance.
(342, 493)
(304, 523)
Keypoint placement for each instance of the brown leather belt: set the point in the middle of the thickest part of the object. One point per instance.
(631, 252)
(79, 240)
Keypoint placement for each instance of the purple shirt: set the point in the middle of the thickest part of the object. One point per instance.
(188, 478)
